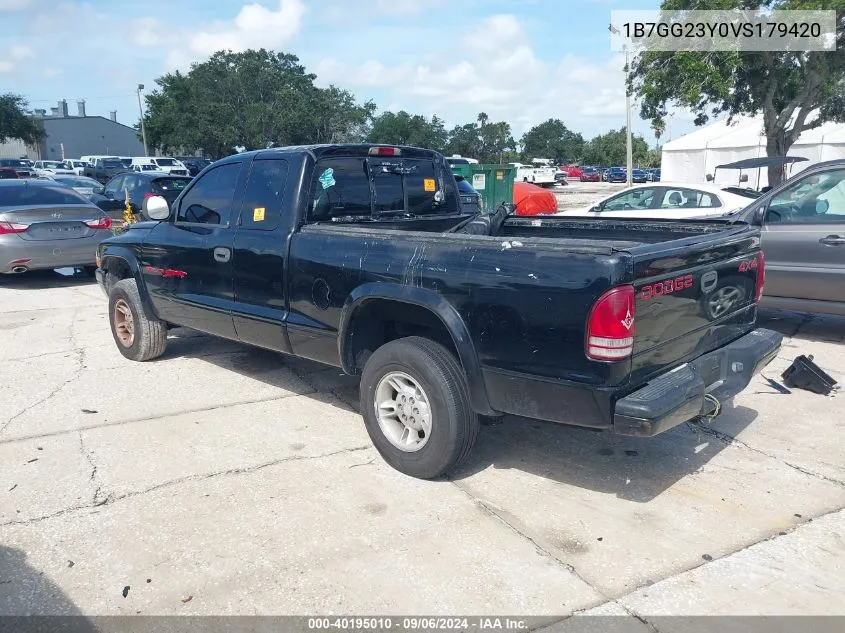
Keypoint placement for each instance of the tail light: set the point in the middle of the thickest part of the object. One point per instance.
(385, 151)
(761, 275)
(12, 227)
(149, 194)
(610, 326)
(100, 223)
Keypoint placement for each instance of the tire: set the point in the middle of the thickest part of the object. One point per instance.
(452, 424)
(137, 337)
(89, 271)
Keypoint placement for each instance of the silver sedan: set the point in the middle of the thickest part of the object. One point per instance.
(46, 225)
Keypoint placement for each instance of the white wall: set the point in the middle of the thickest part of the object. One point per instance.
(13, 148)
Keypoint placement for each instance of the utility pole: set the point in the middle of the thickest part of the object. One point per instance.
(143, 130)
(629, 147)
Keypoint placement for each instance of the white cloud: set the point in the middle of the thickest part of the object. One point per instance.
(151, 32)
(6, 67)
(14, 5)
(21, 52)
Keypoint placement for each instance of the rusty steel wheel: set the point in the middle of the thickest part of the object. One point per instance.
(124, 323)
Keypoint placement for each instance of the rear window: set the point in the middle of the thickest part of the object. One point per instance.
(112, 164)
(11, 162)
(26, 195)
(170, 184)
(166, 162)
(357, 187)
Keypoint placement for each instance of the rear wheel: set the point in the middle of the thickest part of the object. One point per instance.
(415, 404)
(137, 337)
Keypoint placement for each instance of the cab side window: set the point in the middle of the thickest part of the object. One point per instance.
(209, 201)
(262, 205)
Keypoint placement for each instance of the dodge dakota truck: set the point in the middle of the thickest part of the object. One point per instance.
(360, 256)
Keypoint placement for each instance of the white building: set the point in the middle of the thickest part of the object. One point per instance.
(692, 157)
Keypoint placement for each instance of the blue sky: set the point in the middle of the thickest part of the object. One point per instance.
(522, 61)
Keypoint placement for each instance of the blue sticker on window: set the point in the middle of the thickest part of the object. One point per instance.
(327, 178)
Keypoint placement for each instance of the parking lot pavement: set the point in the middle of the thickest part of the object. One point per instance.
(584, 194)
(227, 480)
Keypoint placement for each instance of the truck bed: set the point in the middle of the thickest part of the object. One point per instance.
(617, 234)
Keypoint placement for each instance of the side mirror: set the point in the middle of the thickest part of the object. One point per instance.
(762, 214)
(98, 190)
(595, 209)
(108, 194)
(743, 178)
(822, 206)
(709, 177)
(155, 208)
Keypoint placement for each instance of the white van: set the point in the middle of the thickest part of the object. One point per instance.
(159, 163)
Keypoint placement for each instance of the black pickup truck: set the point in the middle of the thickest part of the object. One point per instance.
(103, 169)
(360, 256)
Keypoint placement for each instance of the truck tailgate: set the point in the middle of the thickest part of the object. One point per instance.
(693, 295)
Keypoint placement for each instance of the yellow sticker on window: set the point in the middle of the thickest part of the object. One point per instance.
(429, 184)
(258, 214)
(500, 175)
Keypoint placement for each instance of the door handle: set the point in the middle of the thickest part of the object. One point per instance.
(832, 240)
(222, 254)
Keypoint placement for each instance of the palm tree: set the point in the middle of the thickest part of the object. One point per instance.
(659, 126)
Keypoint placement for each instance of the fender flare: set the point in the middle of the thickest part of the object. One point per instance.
(127, 256)
(442, 309)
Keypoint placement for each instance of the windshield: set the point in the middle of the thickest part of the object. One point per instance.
(32, 196)
(165, 162)
(112, 164)
(126, 162)
(167, 185)
(78, 182)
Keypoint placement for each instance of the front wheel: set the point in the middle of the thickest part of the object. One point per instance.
(415, 404)
(138, 338)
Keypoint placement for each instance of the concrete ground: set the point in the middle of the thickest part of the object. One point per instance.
(584, 194)
(227, 480)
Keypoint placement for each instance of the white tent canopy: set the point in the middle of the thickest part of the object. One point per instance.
(692, 157)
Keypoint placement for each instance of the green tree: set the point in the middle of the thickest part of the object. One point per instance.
(15, 122)
(784, 86)
(465, 141)
(402, 128)
(552, 139)
(496, 139)
(250, 99)
(653, 158)
(610, 149)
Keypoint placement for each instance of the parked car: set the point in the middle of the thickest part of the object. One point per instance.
(21, 169)
(112, 198)
(51, 168)
(80, 184)
(572, 171)
(8, 173)
(590, 174)
(538, 175)
(638, 175)
(159, 163)
(803, 237)
(561, 178)
(46, 225)
(665, 201)
(617, 174)
(604, 174)
(362, 257)
(194, 164)
(471, 200)
(102, 169)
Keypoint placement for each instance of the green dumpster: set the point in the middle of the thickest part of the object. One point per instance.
(493, 182)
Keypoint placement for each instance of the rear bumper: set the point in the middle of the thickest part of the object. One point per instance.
(48, 253)
(664, 402)
(681, 394)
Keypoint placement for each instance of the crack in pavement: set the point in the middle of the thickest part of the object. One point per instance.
(54, 392)
(490, 510)
(89, 457)
(244, 470)
(104, 425)
(729, 440)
